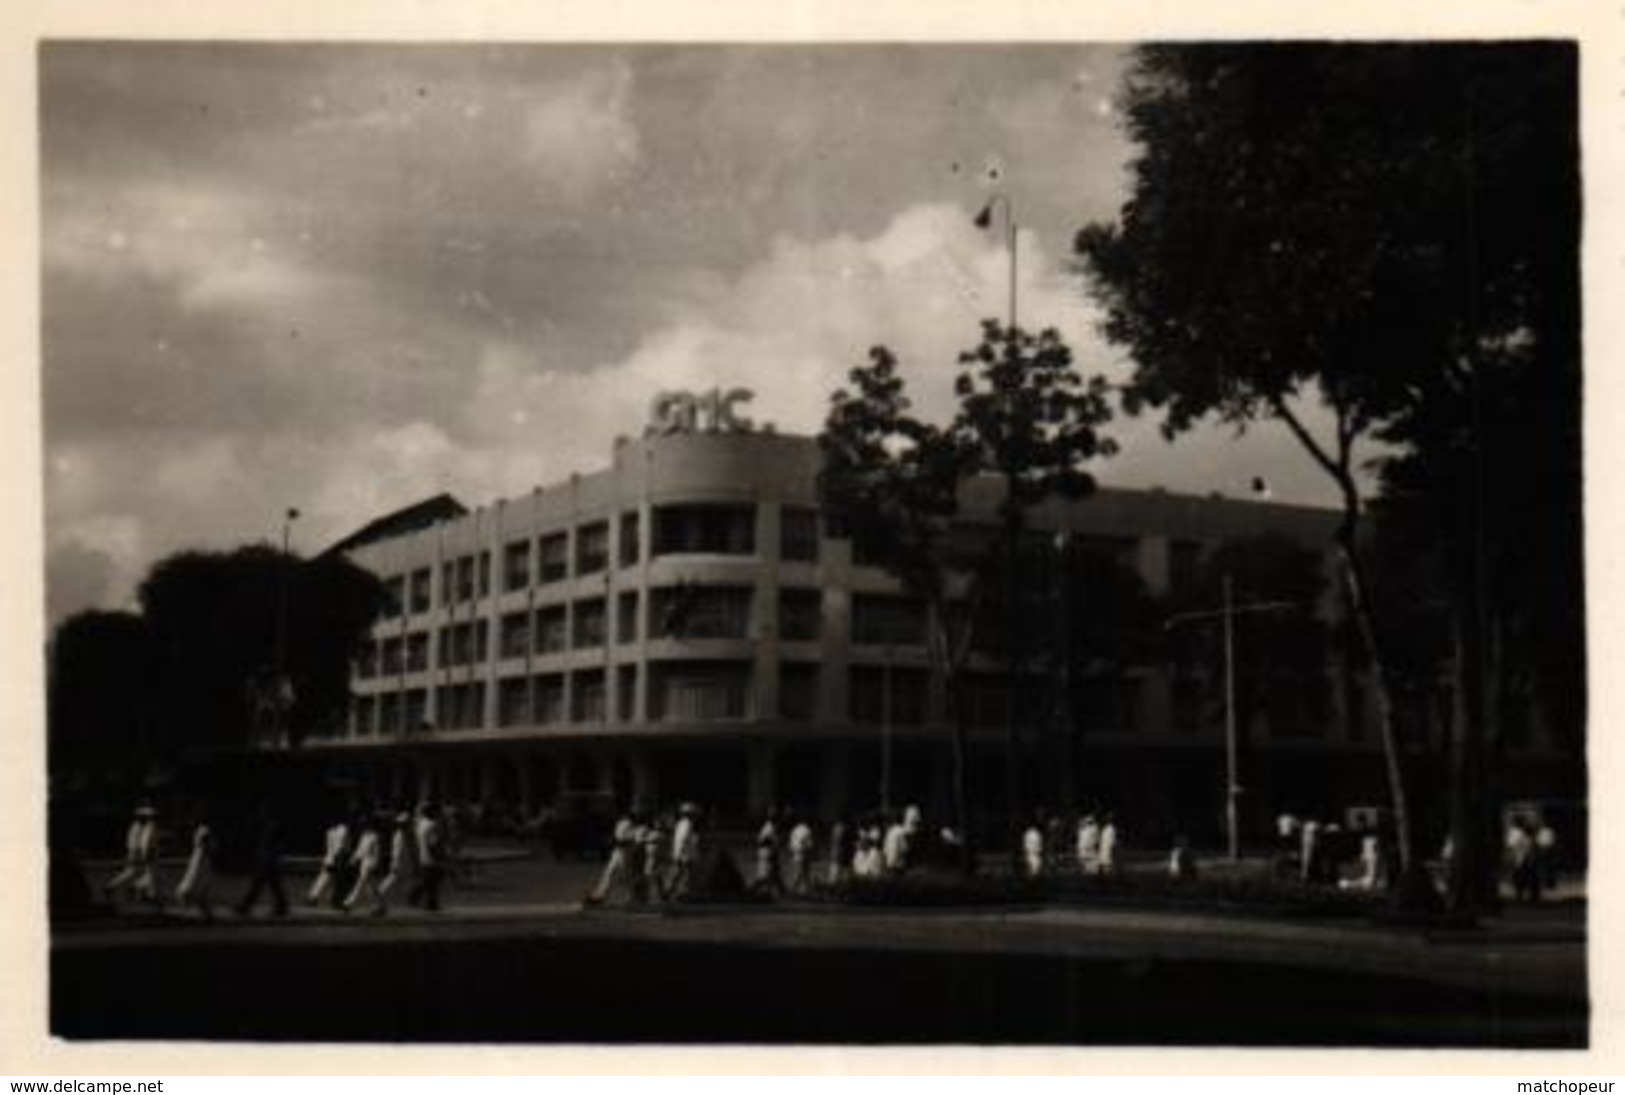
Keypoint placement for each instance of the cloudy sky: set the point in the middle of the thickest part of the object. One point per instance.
(343, 278)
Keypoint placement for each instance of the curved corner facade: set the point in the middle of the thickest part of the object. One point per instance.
(682, 626)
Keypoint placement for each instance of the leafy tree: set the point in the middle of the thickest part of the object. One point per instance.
(890, 482)
(1025, 417)
(214, 622)
(100, 694)
(1373, 228)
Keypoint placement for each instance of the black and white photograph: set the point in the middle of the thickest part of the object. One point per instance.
(974, 543)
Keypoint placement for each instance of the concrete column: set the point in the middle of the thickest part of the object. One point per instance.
(835, 782)
(761, 792)
(645, 779)
(522, 778)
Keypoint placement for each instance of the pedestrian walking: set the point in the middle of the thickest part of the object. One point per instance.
(653, 852)
(1546, 853)
(366, 861)
(866, 858)
(617, 869)
(843, 846)
(338, 844)
(197, 883)
(402, 859)
(895, 847)
(1521, 862)
(1032, 851)
(1309, 851)
(769, 878)
(801, 852)
(431, 851)
(267, 866)
(1108, 846)
(1088, 845)
(140, 858)
(685, 852)
(1181, 861)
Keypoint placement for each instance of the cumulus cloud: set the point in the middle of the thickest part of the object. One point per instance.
(581, 134)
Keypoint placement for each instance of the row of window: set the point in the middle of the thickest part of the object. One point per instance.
(688, 529)
(876, 695)
(676, 612)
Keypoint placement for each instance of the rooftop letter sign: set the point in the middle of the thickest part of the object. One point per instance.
(688, 412)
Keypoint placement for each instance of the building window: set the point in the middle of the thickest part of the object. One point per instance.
(394, 596)
(884, 620)
(887, 695)
(417, 652)
(513, 701)
(626, 617)
(592, 548)
(986, 699)
(390, 657)
(516, 565)
(631, 543)
(389, 713)
(798, 534)
(587, 696)
(464, 588)
(588, 630)
(365, 714)
(699, 691)
(690, 611)
(798, 691)
(366, 660)
(705, 530)
(626, 693)
(420, 590)
(461, 706)
(464, 644)
(801, 614)
(552, 630)
(417, 709)
(515, 635)
(484, 582)
(549, 698)
(553, 558)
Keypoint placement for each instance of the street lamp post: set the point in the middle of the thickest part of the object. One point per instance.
(1227, 616)
(984, 220)
(283, 691)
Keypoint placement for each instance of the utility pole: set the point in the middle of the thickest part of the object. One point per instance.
(1232, 776)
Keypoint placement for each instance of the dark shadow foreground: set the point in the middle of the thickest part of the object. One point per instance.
(602, 990)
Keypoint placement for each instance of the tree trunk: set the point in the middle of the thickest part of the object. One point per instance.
(1393, 760)
(942, 651)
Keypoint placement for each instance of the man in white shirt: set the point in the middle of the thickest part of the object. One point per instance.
(1089, 845)
(894, 848)
(616, 869)
(335, 854)
(431, 858)
(801, 850)
(685, 852)
(140, 850)
(1032, 851)
(1108, 846)
(365, 862)
(401, 841)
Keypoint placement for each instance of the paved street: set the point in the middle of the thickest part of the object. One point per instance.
(1519, 980)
